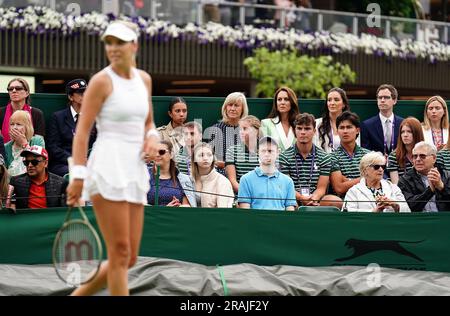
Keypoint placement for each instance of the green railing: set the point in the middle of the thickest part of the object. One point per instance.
(415, 241)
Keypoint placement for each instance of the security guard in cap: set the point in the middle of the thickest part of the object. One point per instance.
(62, 128)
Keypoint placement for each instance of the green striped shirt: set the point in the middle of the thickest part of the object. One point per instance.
(242, 160)
(299, 169)
(183, 161)
(443, 159)
(349, 167)
(393, 164)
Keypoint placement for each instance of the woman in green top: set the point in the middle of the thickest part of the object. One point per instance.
(21, 132)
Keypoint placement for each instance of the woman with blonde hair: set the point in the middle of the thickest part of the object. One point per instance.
(435, 122)
(212, 188)
(21, 132)
(19, 99)
(400, 159)
(373, 193)
(225, 133)
(243, 158)
(279, 124)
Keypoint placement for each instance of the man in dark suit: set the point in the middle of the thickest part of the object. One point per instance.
(380, 132)
(62, 129)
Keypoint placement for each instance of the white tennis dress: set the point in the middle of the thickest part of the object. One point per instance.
(115, 168)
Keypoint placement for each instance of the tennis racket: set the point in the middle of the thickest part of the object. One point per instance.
(77, 250)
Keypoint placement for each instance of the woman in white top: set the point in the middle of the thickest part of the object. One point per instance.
(326, 136)
(279, 122)
(116, 178)
(212, 188)
(373, 193)
(435, 122)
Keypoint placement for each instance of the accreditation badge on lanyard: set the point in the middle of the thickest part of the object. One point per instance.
(304, 188)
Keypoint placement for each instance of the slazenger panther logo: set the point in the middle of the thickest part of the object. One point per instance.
(362, 247)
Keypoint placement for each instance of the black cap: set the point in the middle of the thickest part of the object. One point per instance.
(76, 85)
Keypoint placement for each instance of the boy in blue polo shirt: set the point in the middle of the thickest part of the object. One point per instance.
(266, 188)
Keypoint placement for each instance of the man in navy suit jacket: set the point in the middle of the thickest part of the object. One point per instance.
(376, 133)
(62, 129)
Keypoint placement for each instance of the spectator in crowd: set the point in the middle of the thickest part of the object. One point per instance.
(435, 122)
(19, 99)
(280, 122)
(21, 131)
(38, 188)
(212, 188)
(175, 188)
(192, 135)
(286, 5)
(302, 20)
(443, 156)
(266, 187)
(211, 12)
(173, 131)
(380, 132)
(326, 136)
(225, 134)
(62, 129)
(346, 158)
(400, 160)
(426, 188)
(373, 193)
(4, 185)
(306, 164)
(2, 147)
(243, 158)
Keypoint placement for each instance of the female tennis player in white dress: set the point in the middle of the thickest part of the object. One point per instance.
(116, 179)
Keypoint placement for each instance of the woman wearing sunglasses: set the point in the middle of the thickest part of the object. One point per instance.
(208, 180)
(373, 193)
(115, 179)
(19, 99)
(175, 188)
(21, 134)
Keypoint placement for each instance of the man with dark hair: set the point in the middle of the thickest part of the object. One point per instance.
(380, 132)
(345, 167)
(265, 187)
(308, 166)
(192, 135)
(38, 188)
(62, 128)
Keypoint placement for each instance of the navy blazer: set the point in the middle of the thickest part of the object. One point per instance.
(372, 136)
(59, 140)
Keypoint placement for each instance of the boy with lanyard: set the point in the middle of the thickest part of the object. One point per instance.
(345, 169)
(308, 166)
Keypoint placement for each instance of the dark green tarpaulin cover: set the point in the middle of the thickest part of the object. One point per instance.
(232, 236)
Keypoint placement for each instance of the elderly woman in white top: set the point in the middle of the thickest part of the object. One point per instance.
(435, 122)
(373, 193)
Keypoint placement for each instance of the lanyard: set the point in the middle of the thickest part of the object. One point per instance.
(441, 137)
(392, 137)
(312, 163)
(347, 154)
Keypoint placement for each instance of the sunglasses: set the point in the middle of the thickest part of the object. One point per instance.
(34, 162)
(162, 152)
(376, 167)
(11, 89)
(421, 156)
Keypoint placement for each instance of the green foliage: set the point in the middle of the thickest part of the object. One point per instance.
(309, 77)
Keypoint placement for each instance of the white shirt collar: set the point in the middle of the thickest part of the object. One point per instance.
(383, 118)
(72, 110)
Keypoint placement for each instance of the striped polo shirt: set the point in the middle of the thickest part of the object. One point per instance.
(393, 164)
(302, 171)
(348, 166)
(183, 161)
(242, 160)
(443, 159)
